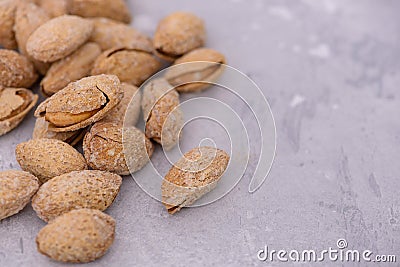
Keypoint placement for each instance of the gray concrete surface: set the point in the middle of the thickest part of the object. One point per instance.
(331, 72)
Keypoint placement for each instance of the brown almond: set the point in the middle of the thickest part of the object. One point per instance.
(131, 65)
(193, 176)
(58, 38)
(41, 130)
(81, 103)
(70, 69)
(104, 145)
(178, 34)
(113, 9)
(109, 34)
(161, 112)
(76, 190)
(15, 103)
(16, 190)
(7, 19)
(78, 236)
(196, 70)
(48, 158)
(16, 70)
(54, 8)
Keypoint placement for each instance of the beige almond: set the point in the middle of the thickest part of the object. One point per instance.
(178, 34)
(78, 236)
(112, 9)
(7, 19)
(16, 190)
(163, 117)
(76, 190)
(127, 112)
(54, 8)
(81, 103)
(114, 148)
(48, 158)
(196, 70)
(16, 70)
(131, 65)
(193, 176)
(109, 34)
(70, 69)
(58, 38)
(15, 103)
(41, 130)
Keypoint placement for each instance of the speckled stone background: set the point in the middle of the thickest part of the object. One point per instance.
(331, 72)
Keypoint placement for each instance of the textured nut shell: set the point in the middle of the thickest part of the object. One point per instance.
(76, 190)
(128, 110)
(54, 8)
(48, 158)
(113, 9)
(193, 176)
(58, 38)
(162, 115)
(104, 148)
(109, 34)
(70, 69)
(177, 34)
(41, 130)
(15, 103)
(201, 68)
(16, 70)
(7, 18)
(130, 65)
(77, 236)
(16, 190)
(102, 93)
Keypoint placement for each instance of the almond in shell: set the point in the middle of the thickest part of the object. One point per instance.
(111, 147)
(178, 34)
(193, 176)
(131, 65)
(70, 69)
(16, 190)
(76, 190)
(16, 70)
(48, 158)
(163, 117)
(81, 103)
(54, 8)
(196, 70)
(15, 103)
(77, 236)
(7, 19)
(58, 38)
(113, 9)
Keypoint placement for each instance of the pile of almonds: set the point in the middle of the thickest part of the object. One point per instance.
(91, 63)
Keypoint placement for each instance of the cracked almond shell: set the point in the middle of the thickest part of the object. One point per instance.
(41, 130)
(58, 38)
(76, 190)
(161, 112)
(112, 9)
(15, 104)
(131, 65)
(109, 34)
(48, 158)
(114, 148)
(77, 236)
(16, 190)
(16, 70)
(203, 64)
(81, 103)
(177, 34)
(70, 69)
(54, 8)
(193, 176)
(127, 112)
(7, 19)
